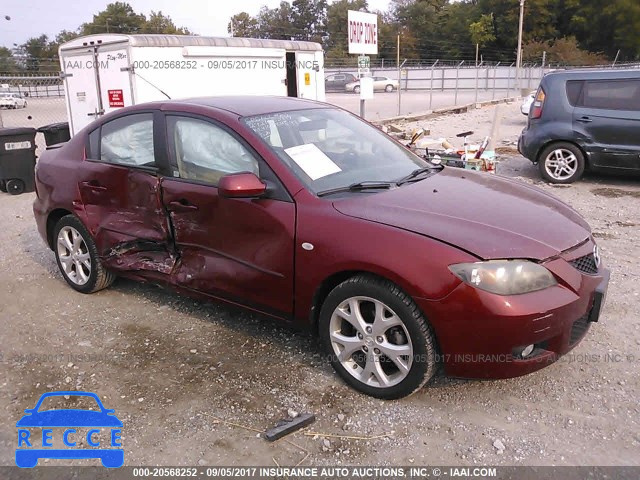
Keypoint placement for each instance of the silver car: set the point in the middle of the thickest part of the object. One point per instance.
(12, 100)
(379, 84)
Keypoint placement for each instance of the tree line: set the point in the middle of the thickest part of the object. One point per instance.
(40, 54)
(571, 32)
(580, 32)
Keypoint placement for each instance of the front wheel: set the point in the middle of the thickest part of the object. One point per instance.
(561, 162)
(388, 88)
(356, 89)
(376, 338)
(77, 257)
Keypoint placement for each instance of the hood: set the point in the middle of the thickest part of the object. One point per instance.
(487, 215)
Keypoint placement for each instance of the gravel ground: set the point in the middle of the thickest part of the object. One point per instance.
(173, 368)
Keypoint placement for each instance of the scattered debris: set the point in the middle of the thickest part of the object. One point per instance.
(499, 446)
(289, 425)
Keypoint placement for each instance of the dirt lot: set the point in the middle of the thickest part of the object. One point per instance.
(171, 367)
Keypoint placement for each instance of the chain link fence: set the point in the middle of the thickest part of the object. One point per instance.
(425, 85)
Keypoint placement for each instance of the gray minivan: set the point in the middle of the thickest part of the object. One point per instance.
(584, 119)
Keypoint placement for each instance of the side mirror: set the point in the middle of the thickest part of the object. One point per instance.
(241, 185)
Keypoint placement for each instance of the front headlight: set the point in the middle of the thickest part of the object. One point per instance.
(505, 277)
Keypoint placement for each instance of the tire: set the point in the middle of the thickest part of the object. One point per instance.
(406, 330)
(561, 162)
(94, 276)
(15, 186)
(356, 89)
(388, 88)
(3, 186)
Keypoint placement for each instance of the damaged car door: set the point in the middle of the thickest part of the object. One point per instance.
(119, 188)
(238, 249)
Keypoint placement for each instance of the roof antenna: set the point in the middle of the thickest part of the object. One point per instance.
(154, 86)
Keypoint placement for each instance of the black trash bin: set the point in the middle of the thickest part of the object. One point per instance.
(55, 133)
(17, 159)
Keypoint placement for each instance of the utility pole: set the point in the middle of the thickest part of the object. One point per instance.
(519, 56)
(399, 74)
(231, 26)
(477, 52)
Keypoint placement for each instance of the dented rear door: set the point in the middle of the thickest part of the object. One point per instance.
(119, 189)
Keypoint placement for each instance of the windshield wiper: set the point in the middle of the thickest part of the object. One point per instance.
(357, 187)
(416, 173)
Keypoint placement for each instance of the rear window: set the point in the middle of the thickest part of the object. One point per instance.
(611, 94)
(574, 89)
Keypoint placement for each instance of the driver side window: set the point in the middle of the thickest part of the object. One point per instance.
(205, 152)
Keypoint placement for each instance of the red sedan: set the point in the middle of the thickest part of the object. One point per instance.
(306, 213)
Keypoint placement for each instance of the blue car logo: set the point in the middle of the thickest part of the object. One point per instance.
(28, 453)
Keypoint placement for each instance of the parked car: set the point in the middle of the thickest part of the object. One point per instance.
(337, 81)
(584, 119)
(12, 100)
(306, 213)
(527, 102)
(379, 84)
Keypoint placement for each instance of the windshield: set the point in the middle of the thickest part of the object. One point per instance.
(330, 149)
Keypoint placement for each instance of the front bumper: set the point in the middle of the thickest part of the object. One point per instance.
(480, 334)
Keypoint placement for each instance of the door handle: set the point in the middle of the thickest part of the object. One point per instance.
(182, 206)
(585, 120)
(94, 185)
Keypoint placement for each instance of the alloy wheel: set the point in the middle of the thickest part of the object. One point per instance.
(74, 255)
(561, 164)
(371, 342)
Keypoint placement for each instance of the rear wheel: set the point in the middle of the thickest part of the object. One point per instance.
(376, 338)
(388, 88)
(15, 186)
(356, 89)
(77, 257)
(561, 162)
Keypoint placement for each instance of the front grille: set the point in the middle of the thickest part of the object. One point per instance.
(586, 264)
(578, 329)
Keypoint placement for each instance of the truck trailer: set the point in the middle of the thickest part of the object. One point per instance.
(105, 72)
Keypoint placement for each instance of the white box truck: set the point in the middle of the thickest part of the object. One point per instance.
(108, 71)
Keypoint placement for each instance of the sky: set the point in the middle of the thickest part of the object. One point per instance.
(31, 18)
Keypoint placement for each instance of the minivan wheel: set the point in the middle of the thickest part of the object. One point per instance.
(376, 338)
(77, 257)
(561, 163)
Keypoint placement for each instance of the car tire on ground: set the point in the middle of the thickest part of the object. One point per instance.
(356, 89)
(376, 337)
(388, 88)
(15, 186)
(77, 257)
(561, 162)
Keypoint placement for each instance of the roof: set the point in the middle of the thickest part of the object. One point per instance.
(188, 41)
(596, 73)
(246, 105)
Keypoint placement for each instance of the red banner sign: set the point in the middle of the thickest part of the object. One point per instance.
(116, 99)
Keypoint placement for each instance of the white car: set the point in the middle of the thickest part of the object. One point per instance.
(526, 104)
(379, 83)
(12, 100)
